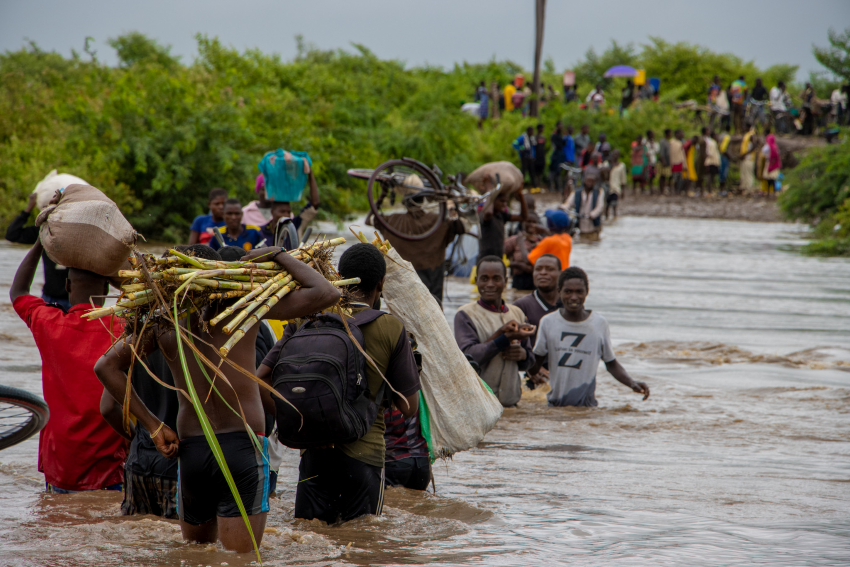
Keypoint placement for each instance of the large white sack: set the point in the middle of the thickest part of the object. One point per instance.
(48, 186)
(461, 408)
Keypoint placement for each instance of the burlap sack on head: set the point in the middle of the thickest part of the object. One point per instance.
(509, 176)
(85, 230)
(459, 408)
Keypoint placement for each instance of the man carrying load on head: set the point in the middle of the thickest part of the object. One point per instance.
(77, 450)
(54, 274)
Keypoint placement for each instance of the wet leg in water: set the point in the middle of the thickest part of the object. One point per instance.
(231, 531)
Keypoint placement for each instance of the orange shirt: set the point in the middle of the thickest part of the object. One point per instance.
(559, 245)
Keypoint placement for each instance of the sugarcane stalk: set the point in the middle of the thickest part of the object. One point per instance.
(138, 274)
(187, 259)
(349, 281)
(137, 295)
(117, 308)
(246, 299)
(218, 284)
(229, 272)
(134, 287)
(228, 294)
(253, 319)
(215, 265)
(248, 309)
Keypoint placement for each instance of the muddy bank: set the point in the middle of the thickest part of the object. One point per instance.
(730, 207)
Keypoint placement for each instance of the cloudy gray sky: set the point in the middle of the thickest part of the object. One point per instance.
(439, 32)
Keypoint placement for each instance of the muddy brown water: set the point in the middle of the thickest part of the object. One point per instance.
(740, 457)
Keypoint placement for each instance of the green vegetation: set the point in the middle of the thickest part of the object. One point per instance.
(818, 192)
(156, 133)
(818, 189)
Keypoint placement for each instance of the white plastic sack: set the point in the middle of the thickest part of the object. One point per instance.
(48, 186)
(461, 409)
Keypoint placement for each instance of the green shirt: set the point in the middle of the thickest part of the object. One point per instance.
(387, 344)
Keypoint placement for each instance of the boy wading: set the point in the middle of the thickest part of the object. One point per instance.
(574, 340)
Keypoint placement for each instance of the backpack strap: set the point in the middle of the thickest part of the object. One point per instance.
(366, 316)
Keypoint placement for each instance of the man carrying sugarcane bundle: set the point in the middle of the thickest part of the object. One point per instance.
(207, 508)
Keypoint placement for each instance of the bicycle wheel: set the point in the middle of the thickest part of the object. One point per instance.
(400, 185)
(22, 415)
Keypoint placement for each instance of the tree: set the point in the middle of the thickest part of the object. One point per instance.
(837, 57)
(135, 47)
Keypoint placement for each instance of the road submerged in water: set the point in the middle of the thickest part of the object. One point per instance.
(740, 456)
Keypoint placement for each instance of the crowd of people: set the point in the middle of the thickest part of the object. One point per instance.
(674, 164)
(161, 459)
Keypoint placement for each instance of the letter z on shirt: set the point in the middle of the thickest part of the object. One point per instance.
(574, 351)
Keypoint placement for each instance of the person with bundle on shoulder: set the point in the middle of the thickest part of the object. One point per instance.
(207, 509)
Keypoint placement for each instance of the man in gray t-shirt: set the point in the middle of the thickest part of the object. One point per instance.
(574, 340)
(574, 351)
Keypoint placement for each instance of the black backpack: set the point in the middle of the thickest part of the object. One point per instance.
(323, 375)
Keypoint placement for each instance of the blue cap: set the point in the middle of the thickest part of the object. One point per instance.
(556, 218)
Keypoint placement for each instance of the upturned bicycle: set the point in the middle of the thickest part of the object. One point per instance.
(401, 185)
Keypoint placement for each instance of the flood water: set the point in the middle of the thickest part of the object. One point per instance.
(741, 456)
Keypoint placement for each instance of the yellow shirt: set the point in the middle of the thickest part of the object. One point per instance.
(509, 93)
(692, 172)
(745, 143)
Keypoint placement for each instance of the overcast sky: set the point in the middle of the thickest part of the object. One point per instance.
(439, 32)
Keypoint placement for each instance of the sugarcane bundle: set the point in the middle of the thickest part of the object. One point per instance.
(257, 286)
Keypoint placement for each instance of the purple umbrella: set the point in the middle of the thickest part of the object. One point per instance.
(621, 71)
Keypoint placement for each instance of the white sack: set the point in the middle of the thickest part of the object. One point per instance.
(48, 186)
(462, 410)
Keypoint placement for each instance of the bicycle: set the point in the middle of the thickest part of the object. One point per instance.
(22, 415)
(573, 179)
(418, 187)
(755, 114)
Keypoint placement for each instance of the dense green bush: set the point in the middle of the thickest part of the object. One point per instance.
(818, 191)
(156, 133)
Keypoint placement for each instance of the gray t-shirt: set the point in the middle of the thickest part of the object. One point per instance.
(574, 351)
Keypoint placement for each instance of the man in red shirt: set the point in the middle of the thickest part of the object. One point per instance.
(77, 449)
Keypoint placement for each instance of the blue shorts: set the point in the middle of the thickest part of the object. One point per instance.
(202, 490)
(50, 489)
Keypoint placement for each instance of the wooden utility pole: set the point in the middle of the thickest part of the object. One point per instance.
(540, 21)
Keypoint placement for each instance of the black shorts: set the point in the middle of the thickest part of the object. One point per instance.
(333, 486)
(612, 198)
(149, 494)
(202, 490)
(412, 472)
